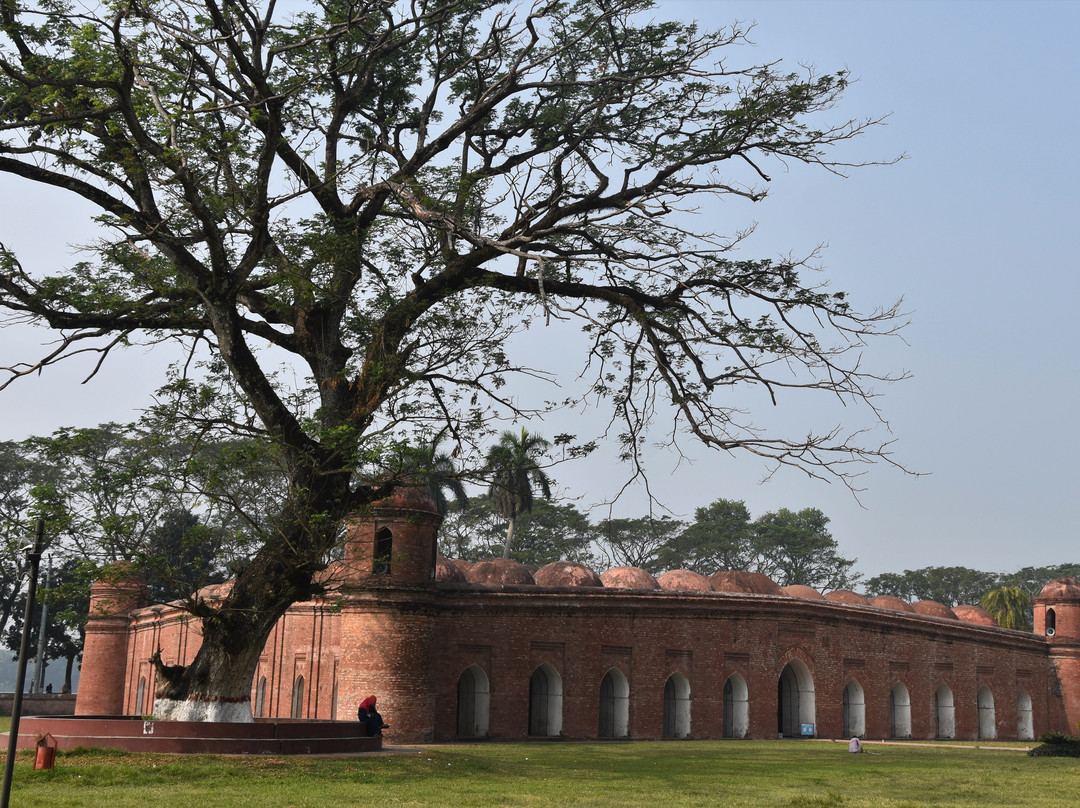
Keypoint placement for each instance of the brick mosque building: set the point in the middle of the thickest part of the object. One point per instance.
(491, 650)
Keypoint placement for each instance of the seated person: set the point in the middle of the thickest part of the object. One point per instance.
(367, 714)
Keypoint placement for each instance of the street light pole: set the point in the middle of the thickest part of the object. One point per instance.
(34, 556)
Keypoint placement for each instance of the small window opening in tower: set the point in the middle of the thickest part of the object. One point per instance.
(1051, 623)
(384, 547)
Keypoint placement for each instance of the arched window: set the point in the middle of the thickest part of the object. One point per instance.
(1025, 729)
(545, 702)
(614, 705)
(260, 698)
(854, 710)
(1051, 623)
(795, 700)
(676, 707)
(987, 717)
(944, 713)
(473, 703)
(384, 550)
(736, 707)
(298, 697)
(900, 711)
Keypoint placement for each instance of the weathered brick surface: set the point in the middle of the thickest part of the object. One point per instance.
(408, 640)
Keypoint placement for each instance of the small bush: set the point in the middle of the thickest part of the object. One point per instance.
(1057, 744)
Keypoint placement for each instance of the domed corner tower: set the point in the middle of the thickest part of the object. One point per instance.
(388, 616)
(394, 542)
(102, 682)
(1057, 619)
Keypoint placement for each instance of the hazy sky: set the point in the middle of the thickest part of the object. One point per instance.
(972, 229)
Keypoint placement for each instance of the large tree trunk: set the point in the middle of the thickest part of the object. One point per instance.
(216, 686)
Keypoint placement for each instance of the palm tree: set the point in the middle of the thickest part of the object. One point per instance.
(512, 463)
(1009, 606)
(437, 472)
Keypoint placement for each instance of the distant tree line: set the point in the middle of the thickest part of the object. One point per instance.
(185, 512)
(791, 547)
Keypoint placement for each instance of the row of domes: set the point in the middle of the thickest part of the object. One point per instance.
(503, 571)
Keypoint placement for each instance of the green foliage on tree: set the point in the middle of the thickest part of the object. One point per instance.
(65, 591)
(721, 537)
(953, 586)
(549, 532)
(1033, 579)
(181, 556)
(514, 466)
(386, 193)
(796, 547)
(643, 542)
(1010, 606)
(20, 472)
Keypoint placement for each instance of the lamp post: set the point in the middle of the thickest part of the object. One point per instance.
(34, 557)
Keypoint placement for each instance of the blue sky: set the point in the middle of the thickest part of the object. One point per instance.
(975, 229)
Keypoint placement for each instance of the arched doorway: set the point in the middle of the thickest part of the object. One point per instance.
(944, 713)
(987, 717)
(899, 711)
(854, 710)
(795, 703)
(676, 707)
(1025, 726)
(736, 707)
(614, 705)
(473, 703)
(298, 698)
(260, 698)
(545, 702)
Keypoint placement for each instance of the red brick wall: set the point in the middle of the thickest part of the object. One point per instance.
(409, 646)
(407, 640)
(709, 637)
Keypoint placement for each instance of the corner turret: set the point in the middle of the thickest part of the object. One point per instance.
(105, 651)
(1057, 619)
(393, 543)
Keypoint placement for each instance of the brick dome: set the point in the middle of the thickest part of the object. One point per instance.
(805, 592)
(931, 608)
(684, 580)
(891, 603)
(974, 614)
(499, 571)
(409, 498)
(447, 571)
(846, 596)
(216, 591)
(752, 583)
(1061, 589)
(332, 576)
(628, 578)
(566, 573)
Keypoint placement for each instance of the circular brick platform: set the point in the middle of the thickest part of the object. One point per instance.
(262, 737)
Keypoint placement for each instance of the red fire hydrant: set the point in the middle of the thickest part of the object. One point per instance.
(46, 752)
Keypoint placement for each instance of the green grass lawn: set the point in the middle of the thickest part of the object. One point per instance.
(669, 775)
